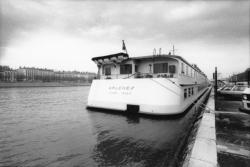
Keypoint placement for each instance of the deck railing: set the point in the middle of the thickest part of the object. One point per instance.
(139, 75)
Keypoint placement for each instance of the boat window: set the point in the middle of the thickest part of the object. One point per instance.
(182, 68)
(160, 68)
(192, 91)
(185, 93)
(126, 69)
(107, 70)
(136, 68)
(189, 91)
(172, 69)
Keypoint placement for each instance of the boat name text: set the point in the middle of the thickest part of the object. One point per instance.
(125, 90)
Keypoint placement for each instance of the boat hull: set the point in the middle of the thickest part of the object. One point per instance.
(155, 96)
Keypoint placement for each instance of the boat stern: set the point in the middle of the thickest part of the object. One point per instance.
(156, 96)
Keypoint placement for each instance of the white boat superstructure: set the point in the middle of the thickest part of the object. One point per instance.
(156, 84)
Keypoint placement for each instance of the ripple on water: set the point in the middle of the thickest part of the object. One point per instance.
(51, 127)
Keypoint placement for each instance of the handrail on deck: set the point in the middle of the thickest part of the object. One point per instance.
(141, 75)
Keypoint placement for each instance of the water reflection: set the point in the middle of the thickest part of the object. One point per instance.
(133, 119)
(134, 140)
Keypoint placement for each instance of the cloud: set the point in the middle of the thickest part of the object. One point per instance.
(158, 20)
(143, 23)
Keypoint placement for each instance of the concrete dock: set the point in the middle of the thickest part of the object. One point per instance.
(204, 151)
(223, 136)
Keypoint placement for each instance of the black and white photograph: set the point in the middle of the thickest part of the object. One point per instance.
(124, 83)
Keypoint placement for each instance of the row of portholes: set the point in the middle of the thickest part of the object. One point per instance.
(188, 92)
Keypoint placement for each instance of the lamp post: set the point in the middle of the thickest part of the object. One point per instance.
(215, 82)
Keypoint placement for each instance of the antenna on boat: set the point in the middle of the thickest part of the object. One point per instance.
(124, 47)
(173, 50)
(154, 52)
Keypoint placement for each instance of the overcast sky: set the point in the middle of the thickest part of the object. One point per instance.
(66, 34)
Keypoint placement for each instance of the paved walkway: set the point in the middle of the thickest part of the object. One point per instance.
(204, 151)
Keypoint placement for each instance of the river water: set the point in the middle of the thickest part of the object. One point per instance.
(50, 126)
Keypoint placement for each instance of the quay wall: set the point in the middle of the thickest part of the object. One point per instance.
(184, 149)
(204, 150)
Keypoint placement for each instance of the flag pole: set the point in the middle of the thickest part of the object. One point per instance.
(124, 47)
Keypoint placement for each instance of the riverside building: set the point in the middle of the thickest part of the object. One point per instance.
(31, 74)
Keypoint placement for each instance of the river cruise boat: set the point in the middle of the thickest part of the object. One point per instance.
(156, 84)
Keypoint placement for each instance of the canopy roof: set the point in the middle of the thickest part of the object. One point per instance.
(111, 56)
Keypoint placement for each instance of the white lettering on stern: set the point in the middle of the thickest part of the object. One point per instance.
(123, 90)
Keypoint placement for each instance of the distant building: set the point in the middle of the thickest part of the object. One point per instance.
(4, 68)
(29, 74)
(7, 74)
(21, 74)
(241, 77)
